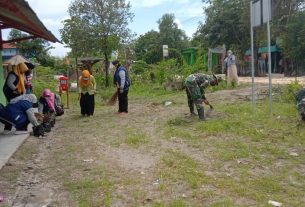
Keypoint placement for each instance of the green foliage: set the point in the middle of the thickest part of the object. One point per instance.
(140, 67)
(175, 54)
(199, 64)
(94, 30)
(290, 91)
(148, 47)
(60, 67)
(44, 78)
(170, 34)
(33, 48)
(294, 39)
(227, 23)
(145, 43)
(153, 56)
(165, 70)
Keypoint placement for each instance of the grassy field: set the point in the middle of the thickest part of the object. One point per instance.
(159, 155)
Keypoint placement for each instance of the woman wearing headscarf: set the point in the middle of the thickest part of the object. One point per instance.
(19, 112)
(46, 103)
(15, 82)
(87, 89)
(46, 106)
(50, 102)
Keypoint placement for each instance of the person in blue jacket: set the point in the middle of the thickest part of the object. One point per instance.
(19, 112)
(122, 82)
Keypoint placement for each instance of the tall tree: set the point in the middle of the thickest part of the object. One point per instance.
(148, 43)
(170, 34)
(227, 22)
(148, 47)
(96, 27)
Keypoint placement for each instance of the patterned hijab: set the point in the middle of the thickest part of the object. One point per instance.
(50, 98)
(85, 79)
(19, 70)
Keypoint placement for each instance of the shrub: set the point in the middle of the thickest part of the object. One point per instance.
(289, 91)
(44, 78)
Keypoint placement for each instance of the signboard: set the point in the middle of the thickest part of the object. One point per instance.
(165, 50)
(266, 11)
(261, 9)
(261, 14)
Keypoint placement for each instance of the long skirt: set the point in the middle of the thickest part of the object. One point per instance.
(232, 75)
(87, 104)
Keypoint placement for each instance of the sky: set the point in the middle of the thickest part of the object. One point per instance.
(188, 14)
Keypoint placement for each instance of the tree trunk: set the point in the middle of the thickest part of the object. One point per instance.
(106, 70)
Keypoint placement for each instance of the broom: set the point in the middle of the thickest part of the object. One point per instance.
(113, 98)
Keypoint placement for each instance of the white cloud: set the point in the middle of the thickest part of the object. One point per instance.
(59, 50)
(191, 10)
(178, 22)
(153, 3)
(52, 13)
(50, 8)
(54, 25)
(146, 3)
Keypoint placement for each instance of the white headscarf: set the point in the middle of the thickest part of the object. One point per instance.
(25, 97)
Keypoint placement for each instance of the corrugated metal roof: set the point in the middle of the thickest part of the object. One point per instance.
(18, 14)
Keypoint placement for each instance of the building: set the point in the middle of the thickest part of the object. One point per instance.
(19, 15)
(9, 50)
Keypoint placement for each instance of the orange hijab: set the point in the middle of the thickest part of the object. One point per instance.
(19, 70)
(85, 79)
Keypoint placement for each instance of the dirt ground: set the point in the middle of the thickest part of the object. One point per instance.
(121, 152)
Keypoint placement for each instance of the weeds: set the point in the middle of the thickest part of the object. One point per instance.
(134, 138)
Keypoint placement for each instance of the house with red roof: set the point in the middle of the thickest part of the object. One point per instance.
(9, 50)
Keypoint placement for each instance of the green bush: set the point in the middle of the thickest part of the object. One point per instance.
(140, 67)
(43, 78)
(289, 91)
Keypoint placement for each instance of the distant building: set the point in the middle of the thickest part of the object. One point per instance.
(9, 50)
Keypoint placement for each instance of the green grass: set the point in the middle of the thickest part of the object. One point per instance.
(246, 148)
(236, 158)
(135, 138)
(179, 167)
(91, 192)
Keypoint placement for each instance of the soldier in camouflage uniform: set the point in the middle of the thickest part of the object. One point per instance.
(195, 86)
(300, 98)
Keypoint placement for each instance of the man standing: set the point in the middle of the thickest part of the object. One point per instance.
(122, 82)
(232, 69)
(195, 86)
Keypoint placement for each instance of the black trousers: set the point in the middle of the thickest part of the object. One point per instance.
(87, 104)
(7, 126)
(123, 102)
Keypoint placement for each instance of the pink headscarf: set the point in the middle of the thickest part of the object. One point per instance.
(50, 97)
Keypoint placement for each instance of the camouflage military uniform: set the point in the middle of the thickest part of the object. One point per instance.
(195, 86)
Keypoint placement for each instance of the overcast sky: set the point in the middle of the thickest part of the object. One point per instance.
(147, 12)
